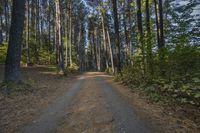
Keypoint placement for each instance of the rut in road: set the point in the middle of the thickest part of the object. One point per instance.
(49, 118)
(91, 105)
(126, 120)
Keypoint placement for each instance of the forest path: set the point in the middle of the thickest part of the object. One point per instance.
(91, 105)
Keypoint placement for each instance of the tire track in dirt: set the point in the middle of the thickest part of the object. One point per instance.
(49, 119)
(125, 118)
(91, 105)
(88, 113)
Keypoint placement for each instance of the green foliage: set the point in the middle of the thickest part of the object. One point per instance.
(184, 60)
(15, 89)
(41, 56)
(109, 71)
(72, 69)
(180, 81)
(131, 75)
(46, 58)
(3, 51)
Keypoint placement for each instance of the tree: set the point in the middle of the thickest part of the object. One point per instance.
(1, 31)
(125, 31)
(110, 50)
(104, 38)
(148, 37)
(6, 18)
(160, 33)
(28, 32)
(1, 23)
(157, 22)
(159, 25)
(59, 47)
(12, 68)
(140, 30)
(162, 42)
(117, 38)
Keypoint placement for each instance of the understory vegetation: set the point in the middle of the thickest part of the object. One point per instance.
(3, 51)
(177, 82)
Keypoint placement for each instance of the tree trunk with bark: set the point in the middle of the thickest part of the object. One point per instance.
(141, 34)
(70, 32)
(1, 31)
(12, 64)
(111, 52)
(59, 52)
(28, 34)
(148, 37)
(117, 38)
(104, 40)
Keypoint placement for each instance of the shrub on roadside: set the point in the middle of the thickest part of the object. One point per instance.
(72, 69)
(180, 82)
(109, 71)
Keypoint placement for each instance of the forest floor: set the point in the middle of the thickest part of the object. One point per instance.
(86, 103)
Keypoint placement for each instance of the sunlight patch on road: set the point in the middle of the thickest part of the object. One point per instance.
(81, 78)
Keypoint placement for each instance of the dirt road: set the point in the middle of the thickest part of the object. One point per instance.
(86, 103)
(91, 105)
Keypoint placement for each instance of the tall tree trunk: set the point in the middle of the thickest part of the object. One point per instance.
(6, 19)
(117, 38)
(49, 26)
(111, 52)
(38, 39)
(148, 36)
(1, 31)
(130, 27)
(162, 43)
(70, 32)
(58, 37)
(140, 30)
(28, 33)
(104, 40)
(67, 33)
(79, 41)
(61, 40)
(148, 18)
(95, 46)
(12, 68)
(126, 32)
(157, 22)
(98, 50)
(34, 28)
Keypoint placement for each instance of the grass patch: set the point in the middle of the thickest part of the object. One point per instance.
(16, 89)
(52, 69)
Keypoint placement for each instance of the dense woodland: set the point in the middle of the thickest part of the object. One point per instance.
(152, 45)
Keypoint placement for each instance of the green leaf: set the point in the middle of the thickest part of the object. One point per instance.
(197, 95)
(196, 80)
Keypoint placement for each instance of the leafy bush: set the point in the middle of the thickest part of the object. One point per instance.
(109, 70)
(180, 82)
(46, 58)
(72, 69)
(3, 52)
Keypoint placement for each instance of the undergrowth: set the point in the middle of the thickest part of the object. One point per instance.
(14, 89)
(179, 84)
